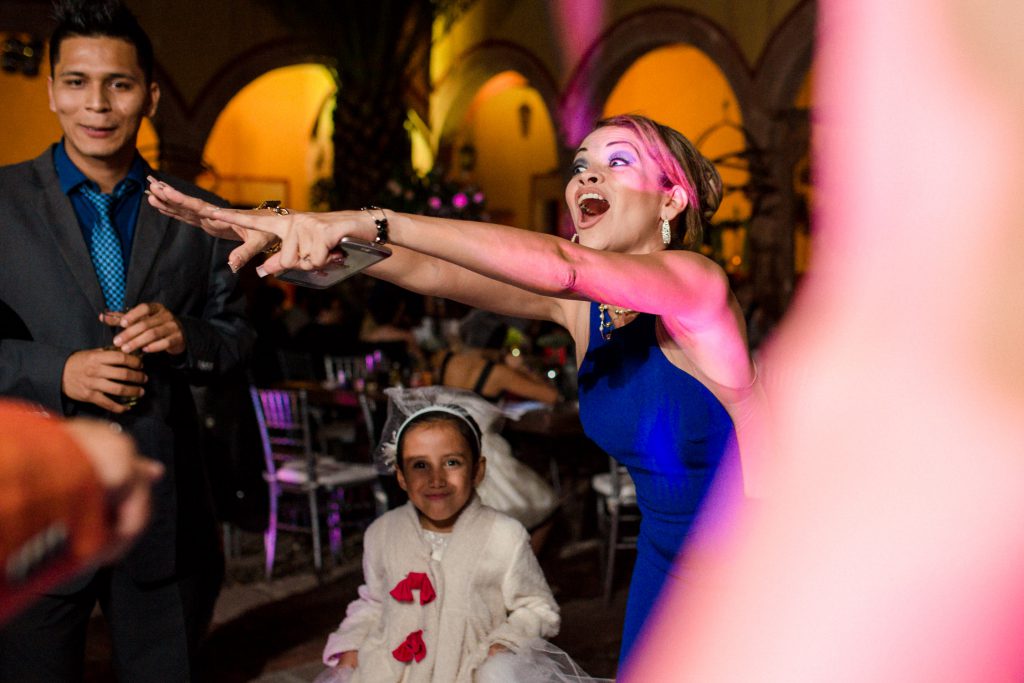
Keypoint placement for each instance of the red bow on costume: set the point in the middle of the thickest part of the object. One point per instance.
(415, 580)
(412, 648)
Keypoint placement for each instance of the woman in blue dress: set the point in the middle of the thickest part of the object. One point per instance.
(666, 384)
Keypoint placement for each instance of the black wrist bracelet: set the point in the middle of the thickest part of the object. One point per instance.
(381, 223)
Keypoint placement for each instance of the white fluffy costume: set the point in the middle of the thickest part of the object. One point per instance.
(487, 589)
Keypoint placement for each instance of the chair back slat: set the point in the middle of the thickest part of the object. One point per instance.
(261, 422)
(347, 369)
(294, 468)
(283, 417)
(281, 408)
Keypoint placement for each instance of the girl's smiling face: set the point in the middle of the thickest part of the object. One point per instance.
(616, 195)
(438, 473)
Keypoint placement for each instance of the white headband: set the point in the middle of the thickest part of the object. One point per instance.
(407, 402)
(451, 410)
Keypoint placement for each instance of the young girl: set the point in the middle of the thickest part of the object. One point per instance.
(452, 590)
(510, 486)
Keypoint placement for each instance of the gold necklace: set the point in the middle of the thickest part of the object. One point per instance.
(607, 326)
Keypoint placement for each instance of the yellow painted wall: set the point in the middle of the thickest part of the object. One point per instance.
(507, 160)
(261, 146)
(681, 87)
(27, 126)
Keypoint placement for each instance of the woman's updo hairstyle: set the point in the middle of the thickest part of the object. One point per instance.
(681, 164)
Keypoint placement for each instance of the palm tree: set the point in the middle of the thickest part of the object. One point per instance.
(381, 52)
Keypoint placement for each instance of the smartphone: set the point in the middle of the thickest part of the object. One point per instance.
(359, 254)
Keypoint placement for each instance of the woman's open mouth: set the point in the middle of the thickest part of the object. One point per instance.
(592, 205)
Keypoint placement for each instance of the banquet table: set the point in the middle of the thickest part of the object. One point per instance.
(557, 421)
(550, 439)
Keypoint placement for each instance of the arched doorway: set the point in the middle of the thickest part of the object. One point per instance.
(262, 145)
(680, 86)
(507, 146)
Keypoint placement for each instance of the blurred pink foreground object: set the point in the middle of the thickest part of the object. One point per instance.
(890, 544)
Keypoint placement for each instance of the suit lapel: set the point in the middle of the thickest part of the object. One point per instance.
(150, 231)
(59, 217)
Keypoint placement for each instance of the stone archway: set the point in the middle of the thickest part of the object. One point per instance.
(787, 58)
(779, 75)
(763, 92)
(635, 35)
(453, 99)
(477, 66)
(184, 128)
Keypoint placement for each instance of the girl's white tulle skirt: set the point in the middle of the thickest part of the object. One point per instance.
(538, 662)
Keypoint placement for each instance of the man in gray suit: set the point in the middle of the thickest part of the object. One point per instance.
(109, 309)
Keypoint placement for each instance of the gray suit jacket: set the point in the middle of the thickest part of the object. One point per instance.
(50, 300)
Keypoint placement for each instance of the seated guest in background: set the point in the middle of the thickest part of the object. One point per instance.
(511, 486)
(296, 316)
(73, 495)
(332, 331)
(482, 366)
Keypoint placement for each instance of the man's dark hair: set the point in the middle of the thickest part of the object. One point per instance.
(99, 19)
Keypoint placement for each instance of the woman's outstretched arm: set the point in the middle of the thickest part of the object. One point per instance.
(409, 269)
(497, 268)
(681, 285)
(687, 290)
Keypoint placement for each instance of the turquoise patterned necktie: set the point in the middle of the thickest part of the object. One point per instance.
(105, 247)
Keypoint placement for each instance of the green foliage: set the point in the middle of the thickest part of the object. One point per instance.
(381, 57)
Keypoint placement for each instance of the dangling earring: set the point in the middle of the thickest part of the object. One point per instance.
(666, 232)
(575, 238)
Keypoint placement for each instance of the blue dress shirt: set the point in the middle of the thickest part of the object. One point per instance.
(125, 208)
